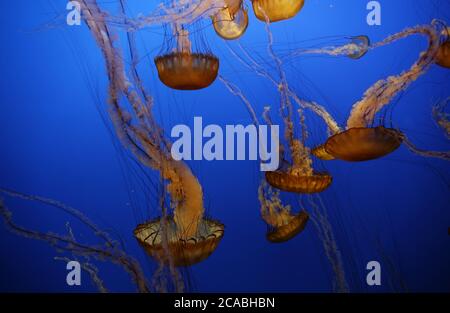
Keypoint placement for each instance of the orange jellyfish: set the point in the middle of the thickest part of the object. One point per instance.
(360, 144)
(162, 241)
(230, 25)
(283, 224)
(360, 141)
(300, 177)
(363, 144)
(183, 69)
(276, 10)
(294, 182)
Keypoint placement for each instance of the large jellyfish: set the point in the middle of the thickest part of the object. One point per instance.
(185, 233)
(276, 10)
(184, 69)
(362, 142)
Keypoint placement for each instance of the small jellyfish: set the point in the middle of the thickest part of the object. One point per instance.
(183, 69)
(230, 26)
(276, 10)
(283, 224)
(299, 177)
(289, 229)
(358, 47)
(363, 143)
(181, 250)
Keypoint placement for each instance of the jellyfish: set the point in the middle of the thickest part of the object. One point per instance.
(183, 69)
(230, 26)
(297, 176)
(354, 47)
(295, 181)
(184, 251)
(184, 233)
(358, 47)
(276, 10)
(361, 141)
(363, 144)
(283, 225)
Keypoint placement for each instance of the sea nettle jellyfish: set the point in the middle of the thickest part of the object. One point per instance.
(163, 235)
(300, 177)
(362, 142)
(276, 10)
(184, 69)
(283, 225)
(230, 25)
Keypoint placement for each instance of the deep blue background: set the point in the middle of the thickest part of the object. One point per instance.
(53, 142)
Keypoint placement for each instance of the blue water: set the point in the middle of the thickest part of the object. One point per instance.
(55, 143)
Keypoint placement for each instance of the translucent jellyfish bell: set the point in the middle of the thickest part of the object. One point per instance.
(180, 250)
(359, 47)
(230, 26)
(276, 10)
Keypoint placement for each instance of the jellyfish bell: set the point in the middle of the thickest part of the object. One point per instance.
(321, 153)
(187, 71)
(362, 144)
(295, 225)
(291, 182)
(359, 47)
(180, 250)
(276, 10)
(230, 26)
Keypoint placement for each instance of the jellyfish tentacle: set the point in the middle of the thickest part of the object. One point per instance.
(382, 92)
(444, 155)
(69, 244)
